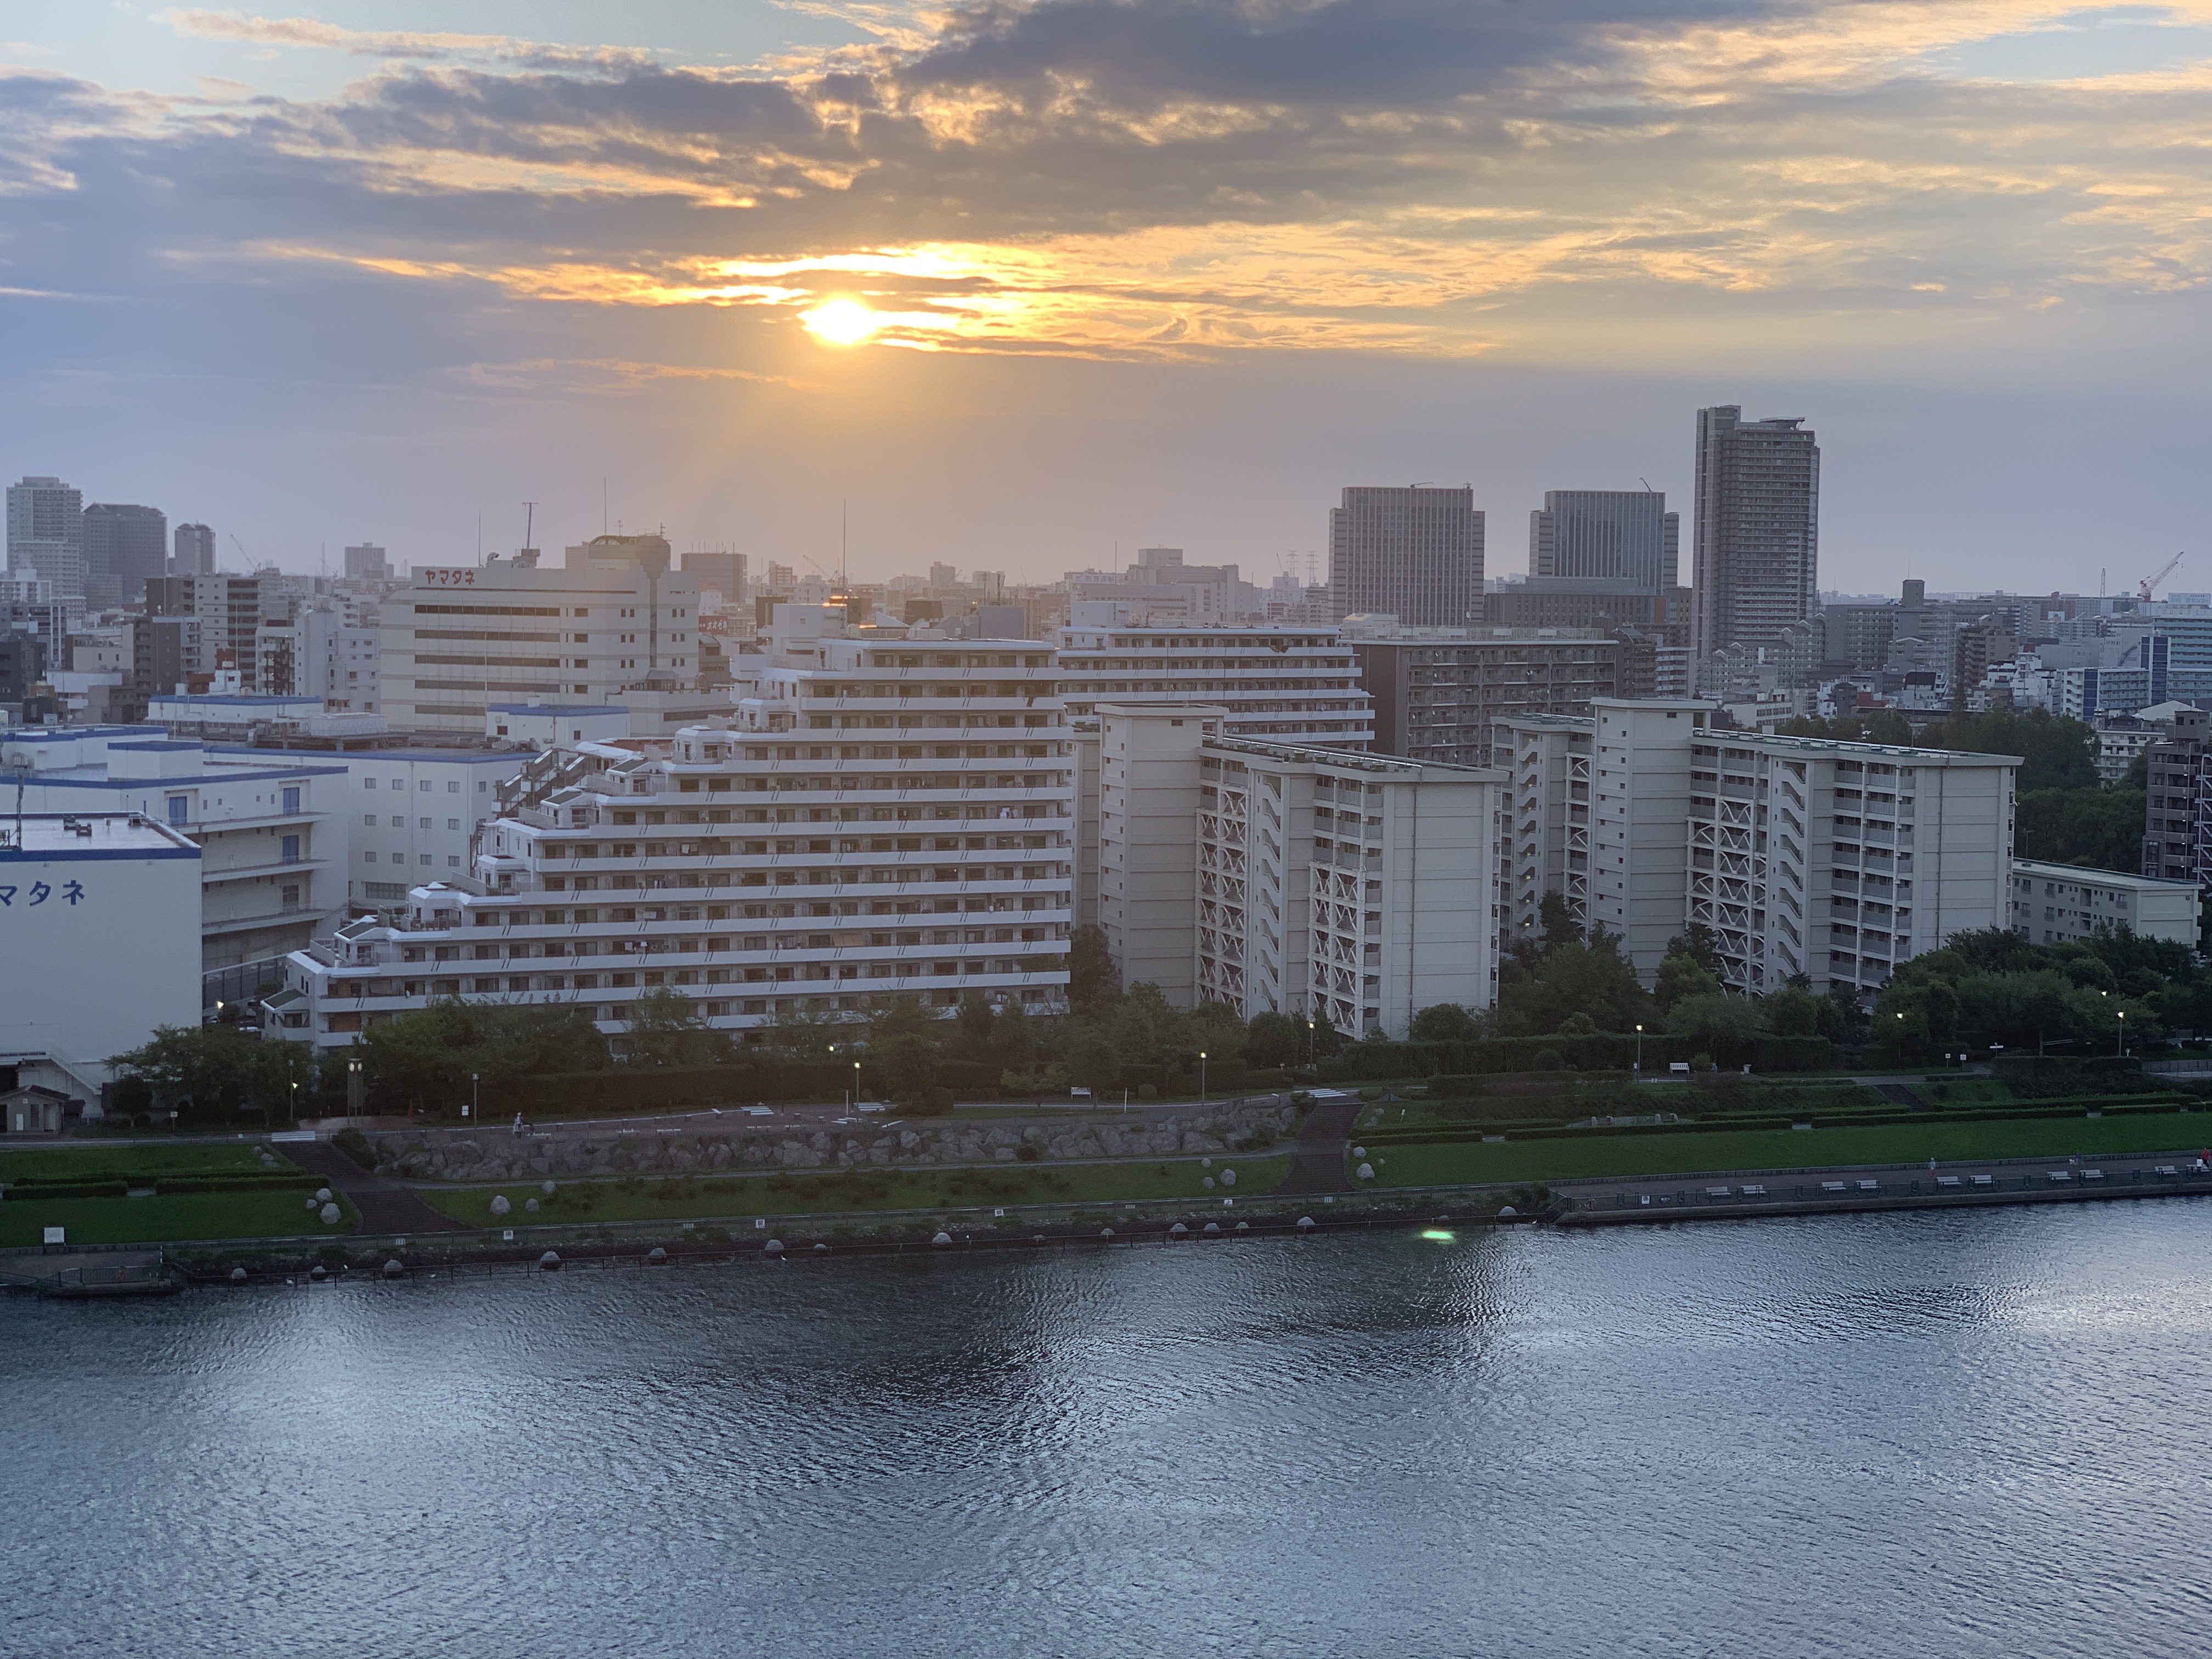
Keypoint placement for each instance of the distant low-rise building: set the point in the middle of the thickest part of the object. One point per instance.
(2052, 903)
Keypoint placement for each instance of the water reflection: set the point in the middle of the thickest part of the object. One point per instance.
(1968, 1433)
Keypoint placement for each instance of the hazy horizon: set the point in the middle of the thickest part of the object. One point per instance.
(1136, 272)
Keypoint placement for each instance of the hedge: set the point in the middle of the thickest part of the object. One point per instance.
(1364, 1063)
(19, 1190)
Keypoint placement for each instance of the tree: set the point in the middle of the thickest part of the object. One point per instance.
(974, 1028)
(2098, 829)
(1700, 944)
(1593, 979)
(1557, 918)
(902, 1048)
(209, 1074)
(1274, 1039)
(1717, 1023)
(1681, 975)
(1091, 976)
(1794, 1011)
(794, 1034)
(1444, 1021)
(665, 1029)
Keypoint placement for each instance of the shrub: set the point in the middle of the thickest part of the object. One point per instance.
(1548, 1059)
(1028, 1152)
(355, 1144)
(934, 1102)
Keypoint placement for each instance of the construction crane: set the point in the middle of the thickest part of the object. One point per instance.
(2143, 589)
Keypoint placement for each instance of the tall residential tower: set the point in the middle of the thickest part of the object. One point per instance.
(1757, 541)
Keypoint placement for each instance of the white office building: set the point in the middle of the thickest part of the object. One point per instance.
(268, 825)
(2052, 903)
(1836, 861)
(893, 816)
(100, 929)
(457, 640)
(1302, 881)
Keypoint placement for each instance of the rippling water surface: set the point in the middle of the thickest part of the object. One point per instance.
(1947, 1433)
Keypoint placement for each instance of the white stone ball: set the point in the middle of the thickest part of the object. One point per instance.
(1209, 1184)
(323, 1194)
(531, 1206)
(330, 1215)
(1365, 1172)
(499, 1204)
(314, 1204)
(942, 1238)
(1359, 1152)
(1229, 1177)
(547, 1189)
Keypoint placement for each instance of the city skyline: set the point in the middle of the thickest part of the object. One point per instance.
(405, 267)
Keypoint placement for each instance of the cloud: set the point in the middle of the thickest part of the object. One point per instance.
(397, 45)
(1186, 178)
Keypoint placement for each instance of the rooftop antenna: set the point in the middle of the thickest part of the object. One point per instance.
(602, 503)
(479, 539)
(1646, 483)
(843, 579)
(529, 522)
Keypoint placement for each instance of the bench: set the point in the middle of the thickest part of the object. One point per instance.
(1870, 1186)
(1716, 1192)
(1832, 1187)
(2058, 1175)
(1982, 1180)
(2093, 1175)
(1754, 1190)
(1947, 1180)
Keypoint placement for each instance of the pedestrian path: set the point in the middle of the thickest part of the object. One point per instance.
(1324, 1137)
(385, 1207)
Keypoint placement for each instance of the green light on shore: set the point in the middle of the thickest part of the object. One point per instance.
(1439, 1235)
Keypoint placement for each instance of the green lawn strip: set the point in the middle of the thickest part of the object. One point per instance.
(655, 1198)
(92, 1163)
(164, 1220)
(1784, 1149)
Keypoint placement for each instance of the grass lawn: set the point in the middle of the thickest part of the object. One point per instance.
(1781, 1149)
(167, 1220)
(105, 1161)
(701, 1197)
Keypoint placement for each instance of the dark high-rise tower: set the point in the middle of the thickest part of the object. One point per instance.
(1407, 551)
(1758, 521)
(124, 547)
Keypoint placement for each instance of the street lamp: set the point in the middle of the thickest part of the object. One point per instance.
(353, 1087)
(2123, 1034)
(1201, 1076)
(854, 1098)
(1309, 1043)
(1639, 1047)
(475, 1110)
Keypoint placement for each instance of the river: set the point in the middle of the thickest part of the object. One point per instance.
(1956, 1432)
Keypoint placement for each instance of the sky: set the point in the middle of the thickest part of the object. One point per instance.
(1026, 284)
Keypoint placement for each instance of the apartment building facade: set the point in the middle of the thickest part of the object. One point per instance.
(1410, 552)
(892, 816)
(1302, 881)
(1834, 860)
(1296, 685)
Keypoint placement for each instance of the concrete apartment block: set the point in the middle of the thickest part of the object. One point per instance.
(1307, 882)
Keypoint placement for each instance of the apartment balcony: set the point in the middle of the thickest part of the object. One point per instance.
(221, 874)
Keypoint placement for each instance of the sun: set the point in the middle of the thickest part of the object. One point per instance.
(841, 322)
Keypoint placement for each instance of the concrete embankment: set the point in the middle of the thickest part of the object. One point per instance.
(1746, 1193)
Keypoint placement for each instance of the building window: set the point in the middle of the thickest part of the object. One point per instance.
(291, 853)
(291, 799)
(181, 810)
(370, 858)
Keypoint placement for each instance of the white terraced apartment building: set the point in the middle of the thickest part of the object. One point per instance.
(1297, 685)
(895, 817)
(1836, 861)
(1302, 881)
